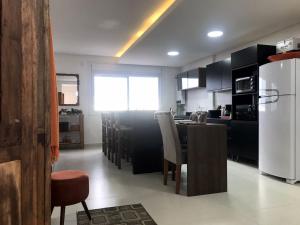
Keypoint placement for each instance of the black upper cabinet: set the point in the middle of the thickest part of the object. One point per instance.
(197, 78)
(218, 76)
(182, 82)
(256, 54)
(213, 77)
(226, 75)
(192, 79)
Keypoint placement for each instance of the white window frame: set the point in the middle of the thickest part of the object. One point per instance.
(123, 71)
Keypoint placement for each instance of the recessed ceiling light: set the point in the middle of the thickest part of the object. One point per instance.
(173, 53)
(215, 34)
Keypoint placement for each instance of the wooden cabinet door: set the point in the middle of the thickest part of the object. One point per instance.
(24, 145)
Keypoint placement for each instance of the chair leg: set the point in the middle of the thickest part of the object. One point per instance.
(120, 152)
(108, 148)
(178, 178)
(62, 215)
(129, 147)
(166, 170)
(173, 171)
(86, 210)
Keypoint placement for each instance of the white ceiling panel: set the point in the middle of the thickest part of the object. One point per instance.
(101, 27)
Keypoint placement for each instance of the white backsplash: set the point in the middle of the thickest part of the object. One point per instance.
(223, 98)
(200, 99)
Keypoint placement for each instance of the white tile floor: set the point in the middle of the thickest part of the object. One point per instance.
(252, 199)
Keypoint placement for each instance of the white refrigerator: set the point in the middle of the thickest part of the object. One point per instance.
(279, 122)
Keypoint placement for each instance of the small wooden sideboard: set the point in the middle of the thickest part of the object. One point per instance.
(71, 132)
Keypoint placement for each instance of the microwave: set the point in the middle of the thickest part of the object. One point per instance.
(245, 84)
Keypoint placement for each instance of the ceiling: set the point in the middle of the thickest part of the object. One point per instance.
(96, 27)
(102, 27)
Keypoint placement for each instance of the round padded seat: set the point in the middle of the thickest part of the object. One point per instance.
(69, 187)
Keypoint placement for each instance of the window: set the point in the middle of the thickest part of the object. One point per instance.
(110, 93)
(143, 93)
(125, 93)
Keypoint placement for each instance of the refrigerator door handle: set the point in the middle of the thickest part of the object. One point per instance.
(270, 90)
(270, 101)
(269, 96)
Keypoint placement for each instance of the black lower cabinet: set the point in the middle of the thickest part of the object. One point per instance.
(242, 139)
(244, 143)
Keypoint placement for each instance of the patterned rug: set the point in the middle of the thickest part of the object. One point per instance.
(120, 215)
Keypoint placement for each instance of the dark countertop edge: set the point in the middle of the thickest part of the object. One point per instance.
(219, 119)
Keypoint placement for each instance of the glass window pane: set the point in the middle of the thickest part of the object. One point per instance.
(143, 93)
(110, 93)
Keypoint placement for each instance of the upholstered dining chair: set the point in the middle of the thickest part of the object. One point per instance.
(173, 152)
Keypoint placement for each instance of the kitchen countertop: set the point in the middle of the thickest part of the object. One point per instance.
(220, 119)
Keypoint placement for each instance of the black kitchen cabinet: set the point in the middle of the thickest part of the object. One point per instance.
(218, 76)
(244, 126)
(244, 139)
(195, 78)
(256, 54)
(214, 76)
(182, 82)
(226, 75)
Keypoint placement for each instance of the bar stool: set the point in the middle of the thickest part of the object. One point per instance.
(123, 144)
(104, 132)
(111, 136)
(69, 187)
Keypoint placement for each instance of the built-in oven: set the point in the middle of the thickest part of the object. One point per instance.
(246, 112)
(245, 84)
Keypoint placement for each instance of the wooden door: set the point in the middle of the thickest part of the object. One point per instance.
(24, 113)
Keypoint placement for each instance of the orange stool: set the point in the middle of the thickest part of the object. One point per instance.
(69, 187)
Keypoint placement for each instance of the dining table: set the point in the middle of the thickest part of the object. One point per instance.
(206, 156)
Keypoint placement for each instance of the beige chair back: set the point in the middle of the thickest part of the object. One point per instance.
(171, 143)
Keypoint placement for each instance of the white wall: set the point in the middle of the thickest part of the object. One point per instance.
(83, 65)
(201, 97)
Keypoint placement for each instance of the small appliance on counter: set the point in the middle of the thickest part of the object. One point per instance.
(227, 110)
(215, 113)
(291, 44)
(286, 49)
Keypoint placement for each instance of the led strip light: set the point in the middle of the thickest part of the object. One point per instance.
(147, 24)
